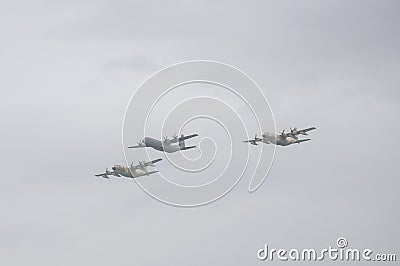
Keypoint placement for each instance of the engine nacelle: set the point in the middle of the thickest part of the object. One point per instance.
(182, 142)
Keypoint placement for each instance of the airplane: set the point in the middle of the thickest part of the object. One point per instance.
(166, 145)
(132, 171)
(283, 139)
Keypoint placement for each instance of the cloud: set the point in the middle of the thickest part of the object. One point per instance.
(331, 64)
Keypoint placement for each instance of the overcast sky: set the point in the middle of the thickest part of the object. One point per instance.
(69, 68)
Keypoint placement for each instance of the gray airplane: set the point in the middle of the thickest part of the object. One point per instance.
(132, 171)
(283, 139)
(167, 145)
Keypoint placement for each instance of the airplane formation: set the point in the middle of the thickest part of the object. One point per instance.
(174, 144)
(166, 145)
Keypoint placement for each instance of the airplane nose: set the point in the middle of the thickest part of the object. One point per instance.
(114, 168)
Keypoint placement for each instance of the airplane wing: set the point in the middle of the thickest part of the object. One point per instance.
(183, 138)
(136, 146)
(302, 140)
(104, 175)
(152, 172)
(151, 162)
(303, 131)
(188, 137)
(155, 161)
(107, 174)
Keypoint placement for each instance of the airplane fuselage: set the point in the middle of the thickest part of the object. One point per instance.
(279, 139)
(128, 171)
(161, 146)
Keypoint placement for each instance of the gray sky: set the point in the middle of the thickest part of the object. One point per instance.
(69, 68)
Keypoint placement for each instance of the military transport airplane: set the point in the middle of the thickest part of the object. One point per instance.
(166, 144)
(131, 171)
(283, 139)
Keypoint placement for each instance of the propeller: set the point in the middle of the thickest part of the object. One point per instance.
(142, 163)
(107, 172)
(133, 166)
(166, 140)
